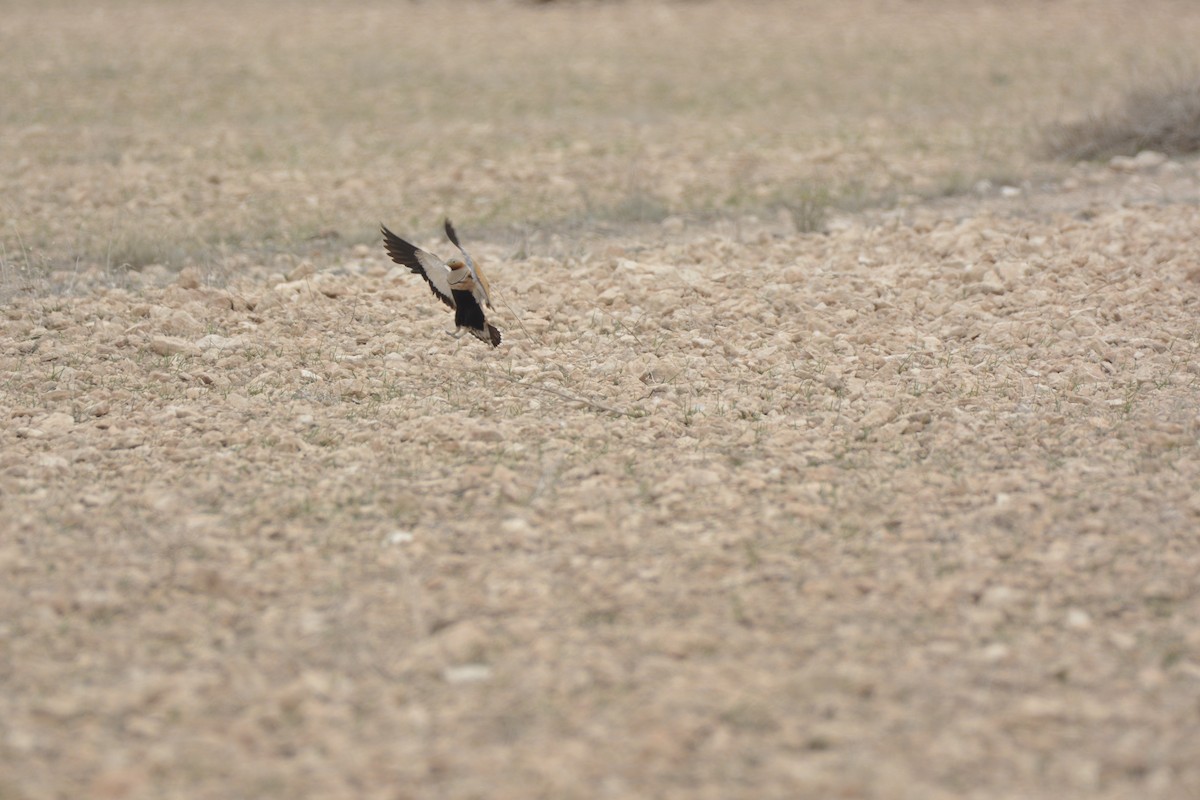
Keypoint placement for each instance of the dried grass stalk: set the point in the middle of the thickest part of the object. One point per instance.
(1163, 117)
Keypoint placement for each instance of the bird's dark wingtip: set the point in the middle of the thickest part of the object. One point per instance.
(450, 232)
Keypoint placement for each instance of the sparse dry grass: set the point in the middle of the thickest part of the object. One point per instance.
(901, 509)
(1163, 116)
(182, 134)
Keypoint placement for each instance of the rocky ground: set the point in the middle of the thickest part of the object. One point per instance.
(904, 509)
(901, 507)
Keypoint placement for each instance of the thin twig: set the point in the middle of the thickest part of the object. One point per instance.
(516, 316)
(592, 404)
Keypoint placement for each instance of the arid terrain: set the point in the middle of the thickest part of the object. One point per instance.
(841, 444)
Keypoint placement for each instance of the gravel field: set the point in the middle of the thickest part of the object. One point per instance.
(842, 450)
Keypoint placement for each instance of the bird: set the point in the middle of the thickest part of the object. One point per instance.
(459, 282)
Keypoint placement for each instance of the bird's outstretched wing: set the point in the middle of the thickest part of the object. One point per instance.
(427, 265)
(481, 286)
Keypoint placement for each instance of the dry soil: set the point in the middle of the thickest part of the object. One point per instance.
(902, 507)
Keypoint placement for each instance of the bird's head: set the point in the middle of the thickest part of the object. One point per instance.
(460, 276)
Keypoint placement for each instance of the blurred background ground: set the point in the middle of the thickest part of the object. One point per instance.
(202, 134)
(843, 441)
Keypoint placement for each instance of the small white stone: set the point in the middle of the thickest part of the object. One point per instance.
(171, 346)
(516, 526)
(1078, 619)
(218, 342)
(467, 673)
(1121, 164)
(398, 537)
(1149, 159)
(53, 463)
(58, 422)
(999, 596)
(996, 651)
